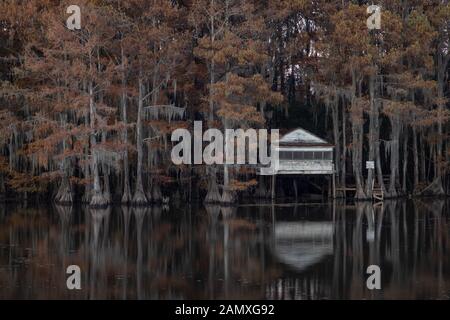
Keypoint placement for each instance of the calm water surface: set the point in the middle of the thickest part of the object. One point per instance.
(316, 251)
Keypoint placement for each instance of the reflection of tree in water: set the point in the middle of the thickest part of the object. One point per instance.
(224, 252)
(239, 266)
(100, 251)
(409, 241)
(64, 214)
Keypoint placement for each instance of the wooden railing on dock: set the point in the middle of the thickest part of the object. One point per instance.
(377, 192)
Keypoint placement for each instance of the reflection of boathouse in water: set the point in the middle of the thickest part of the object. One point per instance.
(301, 153)
(303, 244)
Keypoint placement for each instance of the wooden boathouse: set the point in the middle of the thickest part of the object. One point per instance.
(301, 153)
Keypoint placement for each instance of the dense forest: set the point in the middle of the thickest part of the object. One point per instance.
(87, 115)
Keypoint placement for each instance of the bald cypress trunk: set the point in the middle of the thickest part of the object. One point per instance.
(336, 135)
(139, 197)
(106, 172)
(87, 195)
(213, 194)
(378, 166)
(374, 137)
(423, 167)
(64, 194)
(357, 133)
(394, 151)
(416, 159)
(2, 187)
(373, 134)
(405, 163)
(126, 196)
(344, 146)
(97, 199)
(437, 185)
(227, 194)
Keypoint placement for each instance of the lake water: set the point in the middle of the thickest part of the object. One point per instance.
(315, 251)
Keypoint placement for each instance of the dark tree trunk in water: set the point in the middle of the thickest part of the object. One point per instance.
(374, 138)
(423, 167)
(437, 185)
(357, 161)
(416, 160)
(97, 199)
(87, 195)
(344, 146)
(64, 195)
(2, 186)
(156, 195)
(434, 188)
(213, 195)
(228, 195)
(126, 197)
(335, 117)
(139, 197)
(357, 132)
(405, 163)
(394, 150)
(105, 169)
(97, 196)
(373, 134)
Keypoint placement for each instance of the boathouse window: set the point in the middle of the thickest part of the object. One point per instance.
(285, 155)
(306, 155)
(298, 155)
(328, 155)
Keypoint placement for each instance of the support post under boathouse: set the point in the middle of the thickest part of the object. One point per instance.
(302, 153)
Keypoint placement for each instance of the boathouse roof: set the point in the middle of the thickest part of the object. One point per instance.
(301, 137)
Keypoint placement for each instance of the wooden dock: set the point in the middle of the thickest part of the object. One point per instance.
(377, 192)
